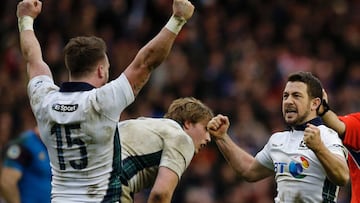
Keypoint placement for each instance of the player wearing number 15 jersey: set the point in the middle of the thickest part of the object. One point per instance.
(78, 121)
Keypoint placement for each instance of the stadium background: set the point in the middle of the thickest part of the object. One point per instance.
(233, 54)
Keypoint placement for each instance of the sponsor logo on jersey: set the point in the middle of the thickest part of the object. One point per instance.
(277, 145)
(295, 167)
(38, 83)
(65, 107)
(302, 145)
(13, 152)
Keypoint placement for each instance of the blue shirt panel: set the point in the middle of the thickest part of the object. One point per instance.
(29, 155)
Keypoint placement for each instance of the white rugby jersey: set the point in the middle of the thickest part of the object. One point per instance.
(148, 143)
(299, 174)
(78, 124)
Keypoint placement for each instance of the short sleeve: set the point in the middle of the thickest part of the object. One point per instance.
(264, 158)
(178, 152)
(112, 98)
(17, 157)
(352, 133)
(38, 88)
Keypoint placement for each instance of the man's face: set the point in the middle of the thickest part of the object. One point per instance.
(296, 103)
(199, 134)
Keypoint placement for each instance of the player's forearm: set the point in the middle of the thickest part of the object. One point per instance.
(10, 193)
(150, 57)
(159, 199)
(31, 52)
(237, 158)
(9, 179)
(332, 121)
(156, 51)
(30, 47)
(336, 167)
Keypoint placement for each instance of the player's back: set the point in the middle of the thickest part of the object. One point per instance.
(148, 143)
(82, 141)
(78, 124)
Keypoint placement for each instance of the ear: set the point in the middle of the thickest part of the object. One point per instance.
(315, 104)
(187, 124)
(100, 71)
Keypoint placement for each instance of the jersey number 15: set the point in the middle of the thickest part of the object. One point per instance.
(57, 130)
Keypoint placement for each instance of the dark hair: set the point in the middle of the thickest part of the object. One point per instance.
(314, 87)
(82, 53)
(188, 109)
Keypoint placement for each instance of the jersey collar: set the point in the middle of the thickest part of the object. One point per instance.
(75, 87)
(316, 121)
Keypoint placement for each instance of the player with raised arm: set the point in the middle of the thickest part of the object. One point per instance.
(308, 160)
(78, 120)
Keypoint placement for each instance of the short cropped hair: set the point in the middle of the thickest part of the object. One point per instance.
(82, 53)
(188, 109)
(314, 86)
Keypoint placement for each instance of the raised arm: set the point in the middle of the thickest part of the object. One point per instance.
(156, 51)
(27, 11)
(330, 118)
(242, 162)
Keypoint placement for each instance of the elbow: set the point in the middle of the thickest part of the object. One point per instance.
(250, 179)
(159, 197)
(344, 179)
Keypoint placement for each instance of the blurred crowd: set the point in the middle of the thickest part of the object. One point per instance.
(234, 55)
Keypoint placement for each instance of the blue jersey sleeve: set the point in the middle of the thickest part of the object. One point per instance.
(17, 157)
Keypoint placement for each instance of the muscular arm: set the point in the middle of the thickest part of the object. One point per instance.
(241, 161)
(30, 47)
(330, 118)
(156, 51)
(148, 58)
(164, 186)
(332, 121)
(335, 165)
(9, 188)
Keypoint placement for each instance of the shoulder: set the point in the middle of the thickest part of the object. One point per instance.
(351, 119)
(154, 123)
(41, 81)
(279, 135)
(327, 131)
(329, 136)
(18, 150)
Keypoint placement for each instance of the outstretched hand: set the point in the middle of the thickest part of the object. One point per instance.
(218, 126)
(30, 8)
(183, 9)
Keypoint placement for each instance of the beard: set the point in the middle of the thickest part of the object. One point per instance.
(297, 119)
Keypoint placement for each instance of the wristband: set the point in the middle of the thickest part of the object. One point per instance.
(175, 24)
(326, 108)
(25, 23)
